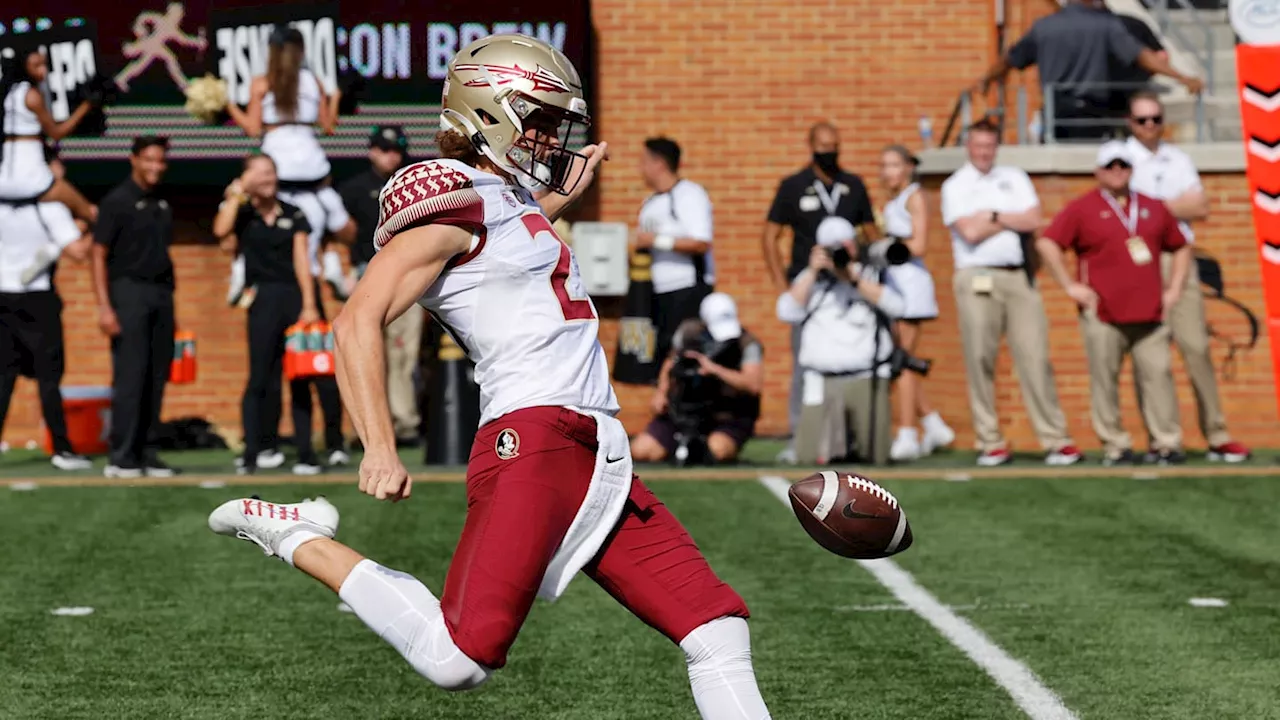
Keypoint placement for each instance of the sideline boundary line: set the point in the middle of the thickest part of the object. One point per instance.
(668, 473)
(1035, 699)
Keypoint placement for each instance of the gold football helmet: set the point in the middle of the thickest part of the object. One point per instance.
(499, 87)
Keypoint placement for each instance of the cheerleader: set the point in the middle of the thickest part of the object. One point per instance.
(25, 176)
(906, 219)
(285, 106)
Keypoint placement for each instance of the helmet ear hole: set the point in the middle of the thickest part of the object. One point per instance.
(486, 118)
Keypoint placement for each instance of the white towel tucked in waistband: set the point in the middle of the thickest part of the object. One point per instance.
(600, 510)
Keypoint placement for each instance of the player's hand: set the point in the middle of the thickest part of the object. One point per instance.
(108, 322)
(383, 476)
(643, 240)
(820, 259)
(1084, 296)
(595, 155)
(1170, 298)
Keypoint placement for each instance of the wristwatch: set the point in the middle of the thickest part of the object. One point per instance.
(995, 216)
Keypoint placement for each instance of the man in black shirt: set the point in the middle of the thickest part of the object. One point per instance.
(388, 152)
(1131, 79)
(802, 202)
(1076, 50)
(133, 280)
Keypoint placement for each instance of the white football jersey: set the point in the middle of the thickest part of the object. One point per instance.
(515, 303)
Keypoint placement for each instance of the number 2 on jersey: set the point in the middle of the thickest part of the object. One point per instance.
(574, 309)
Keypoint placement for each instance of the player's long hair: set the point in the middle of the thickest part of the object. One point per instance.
(284, 67)
(455, 147)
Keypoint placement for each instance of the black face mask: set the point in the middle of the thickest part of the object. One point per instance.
(828, 162)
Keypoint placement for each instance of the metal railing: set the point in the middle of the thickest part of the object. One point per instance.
(1045, 126)
(1160, 11)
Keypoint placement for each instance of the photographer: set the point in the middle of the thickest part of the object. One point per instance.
(708, 391)
(846, 349)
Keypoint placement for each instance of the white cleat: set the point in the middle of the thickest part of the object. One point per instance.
(268, 524)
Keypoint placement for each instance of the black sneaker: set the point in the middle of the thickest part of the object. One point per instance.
(71, 461)
(1165, 457)
(1124, 457)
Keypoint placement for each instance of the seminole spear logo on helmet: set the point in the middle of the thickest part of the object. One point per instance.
(543, 80)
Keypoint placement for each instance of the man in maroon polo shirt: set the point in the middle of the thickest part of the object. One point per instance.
(1118, 236)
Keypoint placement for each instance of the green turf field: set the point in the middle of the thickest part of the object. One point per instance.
(1085, 580)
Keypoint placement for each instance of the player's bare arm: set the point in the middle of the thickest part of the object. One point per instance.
(396, 277)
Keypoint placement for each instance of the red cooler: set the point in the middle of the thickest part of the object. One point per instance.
(88, 412)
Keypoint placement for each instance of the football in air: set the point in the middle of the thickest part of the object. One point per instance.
(850, 515)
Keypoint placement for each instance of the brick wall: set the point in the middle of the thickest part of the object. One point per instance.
(739, 95)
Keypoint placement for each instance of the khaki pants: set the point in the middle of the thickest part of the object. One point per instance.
(403, 339)
(1191, 333)
(844, 412)
(1106, 344)
(1012, 309)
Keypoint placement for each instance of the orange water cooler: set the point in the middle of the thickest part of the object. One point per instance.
(88, 411)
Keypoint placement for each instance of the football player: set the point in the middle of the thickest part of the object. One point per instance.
(549, 485)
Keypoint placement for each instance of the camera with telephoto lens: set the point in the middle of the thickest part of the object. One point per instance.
(885, 253)
(693, 397)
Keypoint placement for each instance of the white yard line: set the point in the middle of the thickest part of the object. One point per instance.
(1036, 700)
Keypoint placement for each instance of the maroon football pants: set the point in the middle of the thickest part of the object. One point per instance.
(528, 474)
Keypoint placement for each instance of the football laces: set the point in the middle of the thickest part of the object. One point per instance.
(872, 488)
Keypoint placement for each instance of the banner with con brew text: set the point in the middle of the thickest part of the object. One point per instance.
(1257, 24)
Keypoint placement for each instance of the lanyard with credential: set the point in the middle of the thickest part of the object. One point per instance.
(1130, 224)
(830, 200)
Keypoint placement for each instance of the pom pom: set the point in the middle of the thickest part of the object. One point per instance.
(206, 99)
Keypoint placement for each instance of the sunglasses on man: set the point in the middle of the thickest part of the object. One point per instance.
(1118, 165)
(1148, 120)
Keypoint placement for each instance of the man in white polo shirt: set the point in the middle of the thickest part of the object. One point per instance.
(676, 227)
(1163, 171)
(988, 209)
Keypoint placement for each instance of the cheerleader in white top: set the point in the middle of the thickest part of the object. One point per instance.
(906, 220)
(285, 107)
(25, 176)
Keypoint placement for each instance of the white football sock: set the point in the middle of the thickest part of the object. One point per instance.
(720, 673)
(403, 612)
(290, 544)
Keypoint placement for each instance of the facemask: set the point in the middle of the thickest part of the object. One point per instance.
(828, 162)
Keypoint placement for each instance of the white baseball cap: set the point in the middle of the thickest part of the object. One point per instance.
(720, 314)
(1113, 150)
(835, 231)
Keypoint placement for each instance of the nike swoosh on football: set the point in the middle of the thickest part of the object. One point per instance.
(852, 514)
